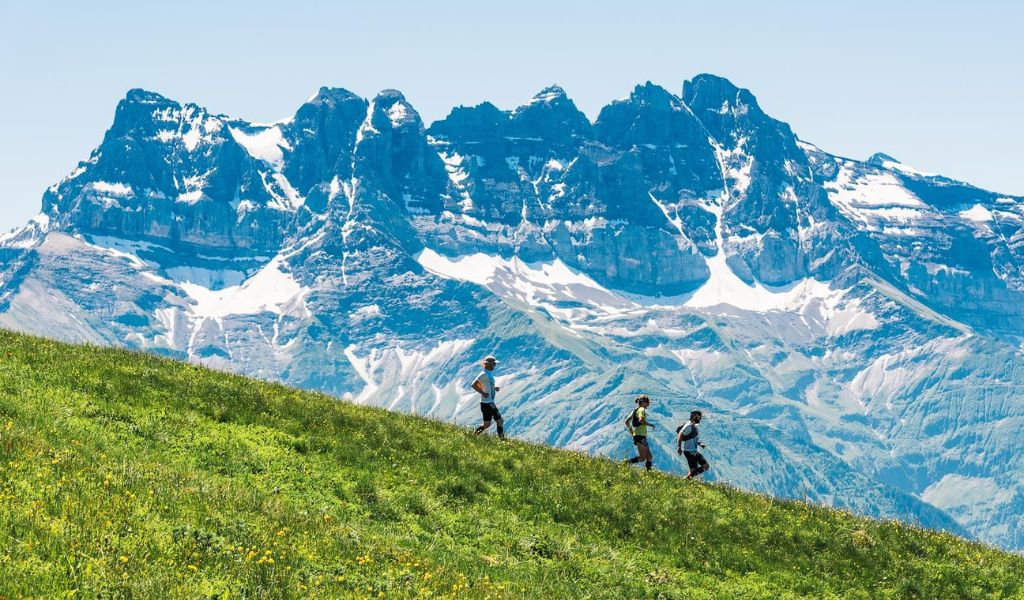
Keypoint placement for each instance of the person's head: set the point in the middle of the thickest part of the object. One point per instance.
(696, 416)
(489, 363)
(643, 400)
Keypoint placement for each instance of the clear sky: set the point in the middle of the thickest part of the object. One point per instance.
(936, 84)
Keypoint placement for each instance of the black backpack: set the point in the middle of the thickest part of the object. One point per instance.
(693, 432)
(636, 419)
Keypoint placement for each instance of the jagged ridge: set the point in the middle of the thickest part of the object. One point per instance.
(848, 322)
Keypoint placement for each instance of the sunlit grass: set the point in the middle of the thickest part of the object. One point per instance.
(125, 475)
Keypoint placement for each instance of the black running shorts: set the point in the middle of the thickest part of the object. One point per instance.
(696, 461)
(490, 411)
(640, 440)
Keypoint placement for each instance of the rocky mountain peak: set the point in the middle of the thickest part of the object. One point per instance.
(551, 93)
(472, 123)
(880, 158)
(552, 116)
(332, 95)
(328, 100)
(650, 116)
(391, 107)
(652, 93)
(141, 112)
(321, 137)
(142, 96)
(707, 92)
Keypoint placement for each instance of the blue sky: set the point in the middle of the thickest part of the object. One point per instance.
(936, 84)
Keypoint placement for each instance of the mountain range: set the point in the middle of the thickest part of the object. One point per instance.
(851, 328)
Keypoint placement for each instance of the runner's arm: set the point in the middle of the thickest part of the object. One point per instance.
(479, 388)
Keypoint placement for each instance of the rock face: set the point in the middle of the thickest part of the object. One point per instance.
(178, 174)
(849, 326)
(557, 186)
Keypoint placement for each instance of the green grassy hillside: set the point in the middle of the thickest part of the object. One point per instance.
(128, 476)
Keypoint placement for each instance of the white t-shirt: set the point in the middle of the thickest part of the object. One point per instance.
(487, 384)
(690, 445)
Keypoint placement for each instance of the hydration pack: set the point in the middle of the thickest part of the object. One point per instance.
(693, 431)
(636, 419)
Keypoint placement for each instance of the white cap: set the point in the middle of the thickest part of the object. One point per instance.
(491, 359)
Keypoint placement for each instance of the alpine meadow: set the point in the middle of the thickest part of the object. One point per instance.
(125, 475)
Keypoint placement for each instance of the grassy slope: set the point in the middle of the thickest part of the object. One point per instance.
(125, 475)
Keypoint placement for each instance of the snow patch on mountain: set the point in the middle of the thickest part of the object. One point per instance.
(266, 145)
(121, 249)
(271, 289)
(871, 196)
(212, 279)
(190, 197)
(672, 218)
(404, 374)
(530, 282)
(453, 165)
(977, 213)
(736, 164)
(363, 313)
(851, 318)
(400, 113)
(724, 287)
(133, 247)
(906, 169)
(114, 189)
(554, 284)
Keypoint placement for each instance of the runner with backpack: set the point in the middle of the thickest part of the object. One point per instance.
(688, 444)
(637, 425)
(484, 385)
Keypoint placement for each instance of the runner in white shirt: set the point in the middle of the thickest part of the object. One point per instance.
(484, 385)
(688, 444)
